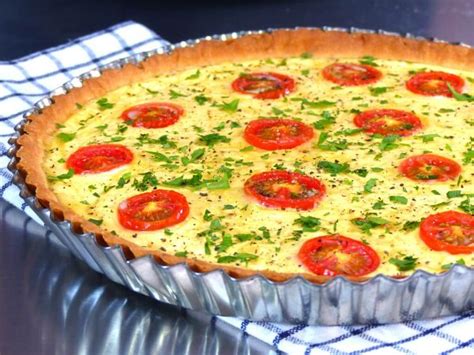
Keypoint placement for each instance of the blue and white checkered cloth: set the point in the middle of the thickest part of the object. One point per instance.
(26, 80)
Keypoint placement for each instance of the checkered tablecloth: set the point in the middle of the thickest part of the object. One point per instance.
(24, 81)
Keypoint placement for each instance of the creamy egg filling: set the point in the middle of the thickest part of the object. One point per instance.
(225, 225)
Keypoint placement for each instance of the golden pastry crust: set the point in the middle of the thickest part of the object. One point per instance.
(280, 43)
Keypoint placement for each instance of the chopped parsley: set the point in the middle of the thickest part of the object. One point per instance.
(68, 175)
(450, 265)
(175, 94)
(406, 264)
(410, 225)
(201, 99)
(333, 168)
(213, 138)
(66, 137)
(326, 120)
(370, 184)
(399, 199)
(368, 60)
(459, 96)
(309, 223)
(454, 194)
(388, 143)
(376, 91)
(241, 257)
(97, 222)
(182, 254)
(229, 107)
(466, 206)
(104, 104)
(148, 180)
(195, 155)
(369, 222)
(325, 144)
(123, 180)
(194, 76)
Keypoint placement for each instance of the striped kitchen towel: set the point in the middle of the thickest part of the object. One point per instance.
(24, 81)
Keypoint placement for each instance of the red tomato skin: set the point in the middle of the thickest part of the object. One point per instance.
(407, 166)
(77, 160)
(176, 201)
(171, 115)
(414, 84)
(331, 73)
(305, 254)
(429, 225)
(251, 134)
(286, 82)
(362, 120)
(285, 176)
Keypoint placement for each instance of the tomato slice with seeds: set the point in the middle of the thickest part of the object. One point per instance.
(434, 83)
(349, 74)
(99, 158)
(283, 189)
(273, 134)
(153, 115)
(429, 168)
(387, 122)
(449, 231)
(333, 255)
(153, 210)
(266, 85)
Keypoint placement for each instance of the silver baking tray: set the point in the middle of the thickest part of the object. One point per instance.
(379, 300)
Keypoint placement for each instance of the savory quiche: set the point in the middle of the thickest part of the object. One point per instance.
(296, 152)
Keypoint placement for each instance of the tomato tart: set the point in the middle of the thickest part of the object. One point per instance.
(295, 152)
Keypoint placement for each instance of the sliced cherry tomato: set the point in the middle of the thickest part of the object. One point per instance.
(273, 134)
(98, 158)
(264, 85)
(434, 83)
(349, 74)
(282, 189)
(153, 115)
(387, 122)
(153, 210)
(333, 255)
(429, 167)
(449, 231)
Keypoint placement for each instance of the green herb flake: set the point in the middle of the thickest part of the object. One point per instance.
(104, 104)
(466, 206)
(229, 107)
(333, 168)
(459, 96)
(123, 180)
(388, 143)
(399, 199)
(406, 264)
(240, 257)
(182, 254)
(370, 184)
(212, 139)
(201, 99)
(368, 60)
(174, 94)
(65, 176)
(308, 223)
(410, 225)
(450, 265)
(66, 137)
(327, 120)
(194, 76)
(454, 194)
(376, 91)
(97, 222)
